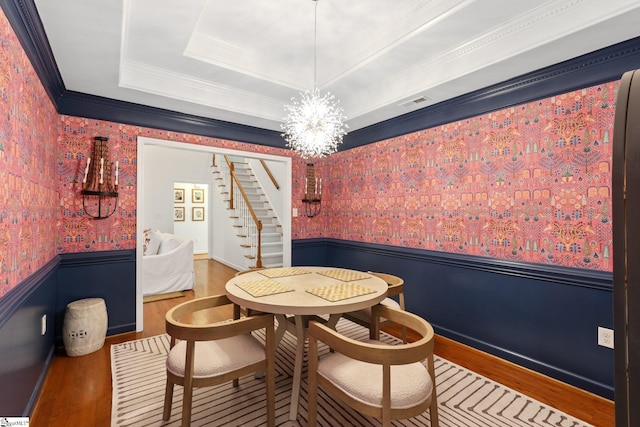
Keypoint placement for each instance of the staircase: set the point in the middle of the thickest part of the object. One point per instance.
(271, 248)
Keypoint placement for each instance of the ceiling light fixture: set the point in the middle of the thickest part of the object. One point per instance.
(314, 124)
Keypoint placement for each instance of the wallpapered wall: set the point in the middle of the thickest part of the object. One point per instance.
(28, 192)
(528, 183)
(79, 233)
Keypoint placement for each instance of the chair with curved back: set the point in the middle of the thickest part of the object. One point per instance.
(396, 288)
(379, 380)
(204, 355)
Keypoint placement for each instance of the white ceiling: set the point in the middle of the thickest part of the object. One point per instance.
(243, 60)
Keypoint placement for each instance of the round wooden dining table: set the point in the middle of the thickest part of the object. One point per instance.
(299, 294)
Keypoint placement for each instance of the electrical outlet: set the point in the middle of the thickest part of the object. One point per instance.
(295, 212)
(43, 324)
(605, 337)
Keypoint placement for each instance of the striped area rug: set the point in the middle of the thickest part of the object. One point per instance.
(464, 397)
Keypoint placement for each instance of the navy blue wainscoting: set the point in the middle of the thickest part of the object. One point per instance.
(25, 353)
(110, 275)
(542, 317)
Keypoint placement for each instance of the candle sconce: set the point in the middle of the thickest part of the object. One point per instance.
(312, 192)
(99, 194)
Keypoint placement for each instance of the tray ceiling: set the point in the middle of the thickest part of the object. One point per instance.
(242, 61)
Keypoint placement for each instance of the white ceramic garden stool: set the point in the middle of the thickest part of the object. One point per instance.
(85, 326)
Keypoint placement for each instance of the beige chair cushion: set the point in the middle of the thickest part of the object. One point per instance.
(215, 358)
(365, 314)
(410, 384)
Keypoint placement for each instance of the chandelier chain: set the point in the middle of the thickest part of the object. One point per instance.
(315, 44)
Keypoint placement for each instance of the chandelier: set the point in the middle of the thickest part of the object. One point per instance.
(314, 124)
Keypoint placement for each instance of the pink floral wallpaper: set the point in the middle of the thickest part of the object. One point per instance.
(530, 183)
(29, 196)
(76, 231)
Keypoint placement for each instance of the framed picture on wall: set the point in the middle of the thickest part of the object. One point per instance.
(197, 214)
(197, 195)
(178, 195)
(178, 214)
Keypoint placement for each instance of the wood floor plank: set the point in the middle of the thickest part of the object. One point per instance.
(581, 404)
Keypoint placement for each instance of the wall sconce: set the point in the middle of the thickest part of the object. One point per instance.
(99, 194)
(312, 192)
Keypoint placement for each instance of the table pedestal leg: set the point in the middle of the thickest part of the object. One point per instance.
(281, 329)
(333, 321)
(297, 368)
(301, 336)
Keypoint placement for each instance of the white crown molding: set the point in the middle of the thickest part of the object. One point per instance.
(550, 21)
(158, 81)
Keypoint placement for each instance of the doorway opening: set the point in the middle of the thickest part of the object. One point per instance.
(161, 165)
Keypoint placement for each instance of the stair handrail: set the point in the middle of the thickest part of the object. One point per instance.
(234, 177)
(268, 171)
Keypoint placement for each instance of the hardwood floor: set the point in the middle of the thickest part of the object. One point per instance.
(586, 406)
(77, 390)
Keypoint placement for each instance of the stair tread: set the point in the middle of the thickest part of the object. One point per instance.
(255, 196)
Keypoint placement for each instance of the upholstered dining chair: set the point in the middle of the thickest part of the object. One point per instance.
(396, 288)
(379, 380)
(204, 355)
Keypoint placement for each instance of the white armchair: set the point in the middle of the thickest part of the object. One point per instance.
(171, 267)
